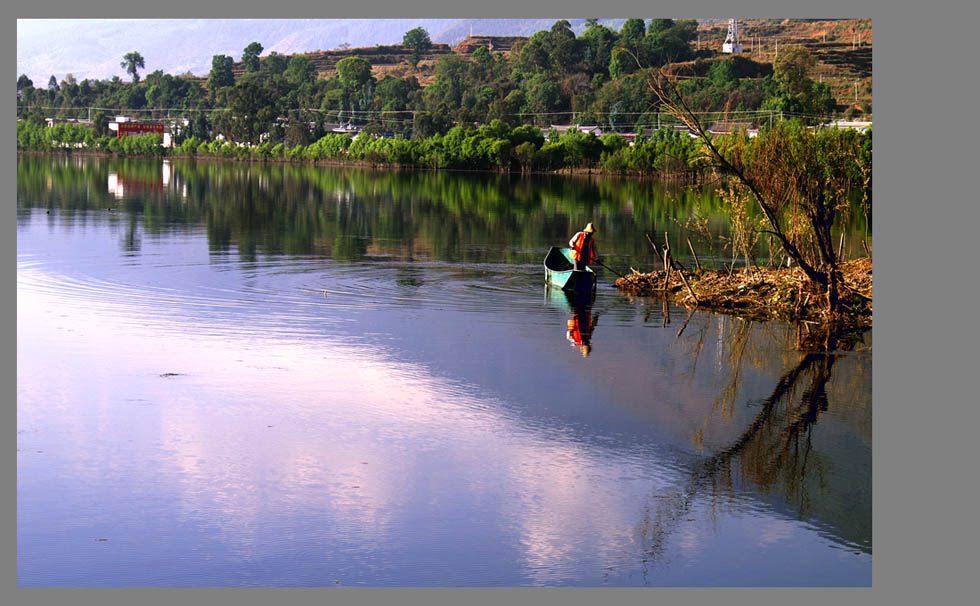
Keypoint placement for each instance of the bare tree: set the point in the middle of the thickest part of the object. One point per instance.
(785, 170)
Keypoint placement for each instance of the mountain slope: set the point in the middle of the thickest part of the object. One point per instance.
(93, 48)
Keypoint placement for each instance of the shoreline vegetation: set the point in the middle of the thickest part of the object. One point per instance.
(786, 293)
(763, 292)
(495, 147)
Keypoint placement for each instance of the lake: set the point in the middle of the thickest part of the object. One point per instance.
(267, 375)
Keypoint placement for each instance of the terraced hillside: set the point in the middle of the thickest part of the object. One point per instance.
(843, 48)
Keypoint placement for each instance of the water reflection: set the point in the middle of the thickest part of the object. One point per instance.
(580, 327)
(354, 214)
(782, 449)
(581, 321)
(362, 383)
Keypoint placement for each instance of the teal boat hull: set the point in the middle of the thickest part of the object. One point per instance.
(559, 272)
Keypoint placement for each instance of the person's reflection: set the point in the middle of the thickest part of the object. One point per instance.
(580, 327)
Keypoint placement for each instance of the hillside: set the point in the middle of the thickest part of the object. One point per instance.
(842, 48)
(93, 48)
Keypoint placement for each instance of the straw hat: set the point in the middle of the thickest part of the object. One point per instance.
(588, 228)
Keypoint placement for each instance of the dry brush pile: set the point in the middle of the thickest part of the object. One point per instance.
(784, 293)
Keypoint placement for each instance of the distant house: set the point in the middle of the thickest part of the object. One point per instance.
(858, 125)
(563, 128)
(52, 121)
(726, 128)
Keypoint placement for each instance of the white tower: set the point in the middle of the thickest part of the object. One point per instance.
(732, 43)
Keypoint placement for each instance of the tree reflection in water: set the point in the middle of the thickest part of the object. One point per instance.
(775, 454)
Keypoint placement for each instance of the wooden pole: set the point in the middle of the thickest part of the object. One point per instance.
(652, 244)
(689, 289)
(866, 249)
(696, 262)
(840, 248)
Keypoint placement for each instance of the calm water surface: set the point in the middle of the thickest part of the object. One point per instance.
(286, 376)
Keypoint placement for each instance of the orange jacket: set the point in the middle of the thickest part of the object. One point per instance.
(578, 242)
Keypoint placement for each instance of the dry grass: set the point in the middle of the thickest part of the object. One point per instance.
(783, 293)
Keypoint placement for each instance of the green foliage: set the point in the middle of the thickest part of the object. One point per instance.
(220, 75)
(632, 33)
(250, 56)
(723, 74)
(280, 104)
(527, 134)
(132, 62)
(797, 93)
(149, 144)
(622, 63)
(418, 40)
(300, 70)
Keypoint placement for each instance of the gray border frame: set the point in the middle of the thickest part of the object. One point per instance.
(921, 552)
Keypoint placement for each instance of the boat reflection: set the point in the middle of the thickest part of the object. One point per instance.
(581, 322)
(580, 327)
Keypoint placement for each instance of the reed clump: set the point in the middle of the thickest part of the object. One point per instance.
(784, 293)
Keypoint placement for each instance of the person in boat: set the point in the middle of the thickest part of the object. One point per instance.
(583, 248)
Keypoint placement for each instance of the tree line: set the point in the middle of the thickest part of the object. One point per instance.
(553, 77)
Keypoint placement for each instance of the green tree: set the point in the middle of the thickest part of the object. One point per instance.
(354, 72)
(723, 74)
(597, 43)
(221, 74)
(622, 63)
(483, 58)
(531, 57)
(632, 33)
(790, 71)
(418, 40)
(562, 47)
(798, 93)
(668, 40)
(253, 109)
(659, 26)
(23, 82)
(250, 56)
(300, 70)
(273, 64)
(392, 94)
(541, 95)
(131, 63)
(100, 124)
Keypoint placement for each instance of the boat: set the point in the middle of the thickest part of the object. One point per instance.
(558, 271)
